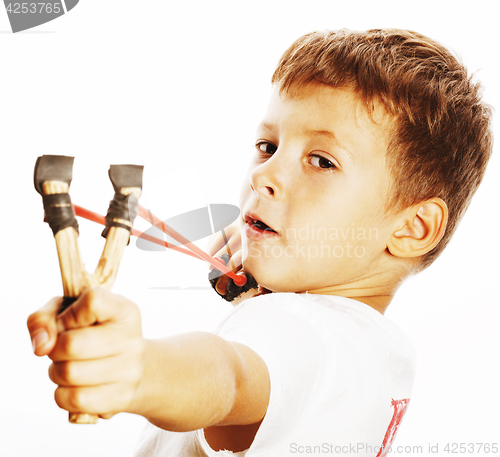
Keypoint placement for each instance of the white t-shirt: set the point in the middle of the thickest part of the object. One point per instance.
(341, 377)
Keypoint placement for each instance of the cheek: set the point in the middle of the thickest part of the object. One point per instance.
(244, 194)
(245, 190)
(349, 227)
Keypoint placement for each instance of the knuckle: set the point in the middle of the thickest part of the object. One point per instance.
(69, 344)
(94, 293)
(75, 400)
(32, 320)
(44, 315)
(71, 316)
(62, 373)
(91, 297)
(52, 373)
(58, 397)
(67, 372)
(95, 297)
(70, 398)
(36, 320)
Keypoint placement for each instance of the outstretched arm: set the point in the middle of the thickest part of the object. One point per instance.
(103, 365)
(197, 380)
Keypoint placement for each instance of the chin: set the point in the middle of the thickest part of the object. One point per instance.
(269, 280)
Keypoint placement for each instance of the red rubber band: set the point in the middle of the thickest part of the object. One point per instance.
(95, 217)
(194, 251)
(153, 220)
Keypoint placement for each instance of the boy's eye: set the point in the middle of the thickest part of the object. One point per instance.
(265, 147)
(321, 162)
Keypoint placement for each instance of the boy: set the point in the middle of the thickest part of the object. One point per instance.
(371, 148)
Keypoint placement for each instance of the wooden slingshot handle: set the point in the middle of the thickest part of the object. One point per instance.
(53, 176)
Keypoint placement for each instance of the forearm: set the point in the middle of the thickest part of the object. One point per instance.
(196, 380)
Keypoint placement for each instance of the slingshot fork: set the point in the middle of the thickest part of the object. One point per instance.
(53, 175)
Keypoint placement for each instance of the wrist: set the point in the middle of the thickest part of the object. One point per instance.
(186, 383)
(141, 391)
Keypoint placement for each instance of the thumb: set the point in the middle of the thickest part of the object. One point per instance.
(43, 328)
(94, 306)
(82, 313)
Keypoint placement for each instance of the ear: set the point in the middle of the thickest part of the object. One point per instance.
(422, 227)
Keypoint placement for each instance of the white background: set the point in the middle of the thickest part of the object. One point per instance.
(180, 87)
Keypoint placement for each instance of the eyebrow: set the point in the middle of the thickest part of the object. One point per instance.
(327, 134)
(268, 126)
(324, 133)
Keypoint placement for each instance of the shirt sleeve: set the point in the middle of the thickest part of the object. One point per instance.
(281, 329)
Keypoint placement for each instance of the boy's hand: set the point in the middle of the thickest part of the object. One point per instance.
(102, 365)
(228, 242)
(97, 350)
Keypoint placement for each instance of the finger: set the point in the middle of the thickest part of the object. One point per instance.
(85, 373)
(235, 263)
(218, 240)
(232, 238)
(231, 249)
(229, 234)
(214, 244)
(96, 341)
(42, 327)
(104, 400)
(96, 306)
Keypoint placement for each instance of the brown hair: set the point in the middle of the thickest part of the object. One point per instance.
(442, 139)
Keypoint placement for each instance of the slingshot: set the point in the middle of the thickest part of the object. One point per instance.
(53, 175)
(52, 178)
(194, 251)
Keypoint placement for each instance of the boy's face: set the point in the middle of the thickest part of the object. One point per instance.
(320, 181)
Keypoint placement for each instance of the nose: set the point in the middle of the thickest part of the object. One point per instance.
(269, 179)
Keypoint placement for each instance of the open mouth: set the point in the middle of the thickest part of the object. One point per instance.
(259, 226)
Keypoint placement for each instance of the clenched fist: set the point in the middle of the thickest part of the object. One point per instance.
(97, 351)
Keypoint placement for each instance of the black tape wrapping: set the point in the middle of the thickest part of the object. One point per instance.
(233, 291)
(59, 212)
(124, 207)
(66, 303)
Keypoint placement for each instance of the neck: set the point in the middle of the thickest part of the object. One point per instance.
(375, 289)
(378, 303)
(378, 297)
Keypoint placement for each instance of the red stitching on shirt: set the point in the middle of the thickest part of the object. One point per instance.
(399, 411)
